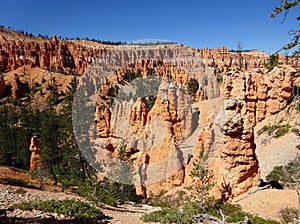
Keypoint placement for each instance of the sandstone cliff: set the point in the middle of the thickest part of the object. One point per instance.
(249, 97)
(51, 54)
(173, 128)
(234, 94)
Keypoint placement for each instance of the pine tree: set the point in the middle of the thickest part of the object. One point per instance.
(50, 153)
(75, 168)
(202, 180)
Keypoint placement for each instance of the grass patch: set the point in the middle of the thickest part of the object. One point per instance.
(77, 210)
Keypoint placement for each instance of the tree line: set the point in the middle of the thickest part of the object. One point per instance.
(20, 119)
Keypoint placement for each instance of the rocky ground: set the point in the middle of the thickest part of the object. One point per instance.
(10, 195)
(266, 203)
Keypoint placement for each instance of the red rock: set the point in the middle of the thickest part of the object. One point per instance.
(35, 149)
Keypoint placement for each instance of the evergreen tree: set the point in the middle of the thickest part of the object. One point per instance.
(50, 152)
(202, 181)
(75, 169)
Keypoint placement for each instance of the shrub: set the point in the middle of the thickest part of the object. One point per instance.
(108, 192)
(21, 191)
(192, 87)
(202, 181)
(263, 130)
(273, 62)
(258, 220)
(285, 173)
(78, 210)
(233, 212)
(166, 215)
(288, 215)
(276, 130)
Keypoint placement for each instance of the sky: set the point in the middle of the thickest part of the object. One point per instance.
(195, 23)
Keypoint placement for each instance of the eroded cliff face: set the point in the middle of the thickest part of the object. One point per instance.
(161, 139)
(226, 60)
(249, 98)
(235, 93)
(50, 54)
(151, 136)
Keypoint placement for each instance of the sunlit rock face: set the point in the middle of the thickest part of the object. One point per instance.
(249, 97)
(219, 118)
(35, 149)
(50, 54)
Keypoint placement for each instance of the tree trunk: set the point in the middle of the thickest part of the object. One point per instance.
(53, 175)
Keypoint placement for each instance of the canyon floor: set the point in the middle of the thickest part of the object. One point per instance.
(265, 203)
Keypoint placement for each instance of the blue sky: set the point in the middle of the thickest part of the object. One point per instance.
(196, 23)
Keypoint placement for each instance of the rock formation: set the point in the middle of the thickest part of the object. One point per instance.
(249, 98)
(235, 93)
(18, 87)
(102, 119)
(50, 54)
(226, 134)
(226, 60)
(151, 136)
(35, 149)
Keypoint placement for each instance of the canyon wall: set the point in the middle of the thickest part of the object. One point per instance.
(74, 56)
(249, 97)
(235, 92)
(161, 140)
(50, 54)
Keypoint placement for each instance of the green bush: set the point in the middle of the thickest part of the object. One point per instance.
(78, 210)
(276, 174)
(258, 220)
(166, 215)
(285, 173)
(288, 215)
(263, 130)
(234, 214)
(192, 87)
(273, 62)
(108, 192)
(276, 130)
